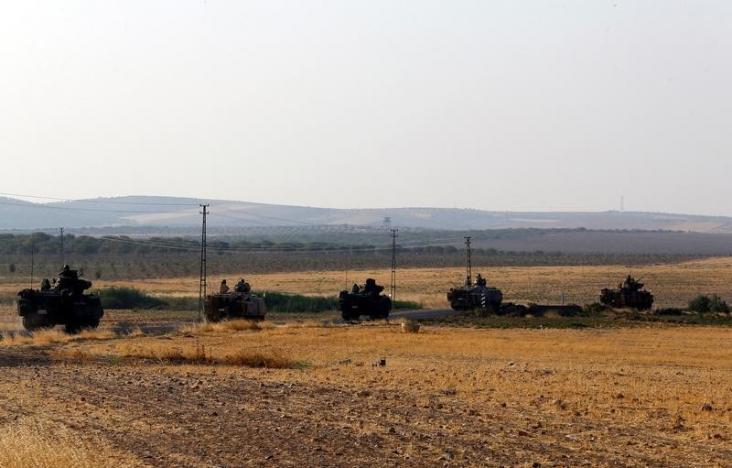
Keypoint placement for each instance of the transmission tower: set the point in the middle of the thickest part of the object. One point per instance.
(394, 235)
(468, 263)
(202, 279)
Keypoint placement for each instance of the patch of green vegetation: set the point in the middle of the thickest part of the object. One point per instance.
(129, 298)
(289, 303)
(297, 303)
(705, 304)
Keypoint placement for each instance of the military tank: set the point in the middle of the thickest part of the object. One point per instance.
(367, 300)
(63, 304)
(239, 304)
(629, 294)
(476, 295)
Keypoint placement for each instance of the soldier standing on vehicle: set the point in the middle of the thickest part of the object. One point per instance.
(223, 289)
(45, 285)
(67, 279)
(480, 281)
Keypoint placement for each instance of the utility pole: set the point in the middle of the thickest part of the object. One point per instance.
(394, 235)
(202, 278)
(33, 259)
(63, 255)
(468, 263)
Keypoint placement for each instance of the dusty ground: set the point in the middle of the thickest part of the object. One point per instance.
(460, 397)
(672, 284)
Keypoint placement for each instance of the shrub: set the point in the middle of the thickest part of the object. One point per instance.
(700, 304)
(128, 298)
(703, 304)
(718, 305)
(280, 302)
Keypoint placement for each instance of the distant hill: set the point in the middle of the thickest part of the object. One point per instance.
(143, 211)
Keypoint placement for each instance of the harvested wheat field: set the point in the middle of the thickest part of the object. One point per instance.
(672, 284)
(237, 394)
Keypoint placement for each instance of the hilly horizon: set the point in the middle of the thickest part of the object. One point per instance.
(158, 211)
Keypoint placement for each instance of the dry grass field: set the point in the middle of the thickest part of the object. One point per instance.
(306, 392)
(313, 395)
(672, 284)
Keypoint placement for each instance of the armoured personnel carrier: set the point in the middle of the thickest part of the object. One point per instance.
(629, 294)
(239, 304)
(366, 300)
(476, 295)
(63, 304)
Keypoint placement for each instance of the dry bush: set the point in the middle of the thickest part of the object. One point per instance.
(174, 354)
(410, 326)
(198, 354)
(52, 336)
(225, 326)
(75, 356)
(258, 359)
(33, 444)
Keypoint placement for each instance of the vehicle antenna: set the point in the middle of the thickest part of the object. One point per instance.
(202, 278)
(394, 235)
(468, 261)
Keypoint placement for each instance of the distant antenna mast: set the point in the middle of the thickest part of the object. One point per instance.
(204, 272)
(468, 262)
(63, 255)
(622, 204)
(394, 235)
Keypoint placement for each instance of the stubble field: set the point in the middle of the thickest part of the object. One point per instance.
(672, 284)
(656, 396)
(312, 393)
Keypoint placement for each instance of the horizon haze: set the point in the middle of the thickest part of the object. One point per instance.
(503, 106)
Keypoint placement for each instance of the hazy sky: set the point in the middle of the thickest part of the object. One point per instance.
(501, 105)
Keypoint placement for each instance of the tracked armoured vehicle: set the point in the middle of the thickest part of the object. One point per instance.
(474, 296)
(240, 304)
(63, 304)
(367, 300)
(630, 294)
